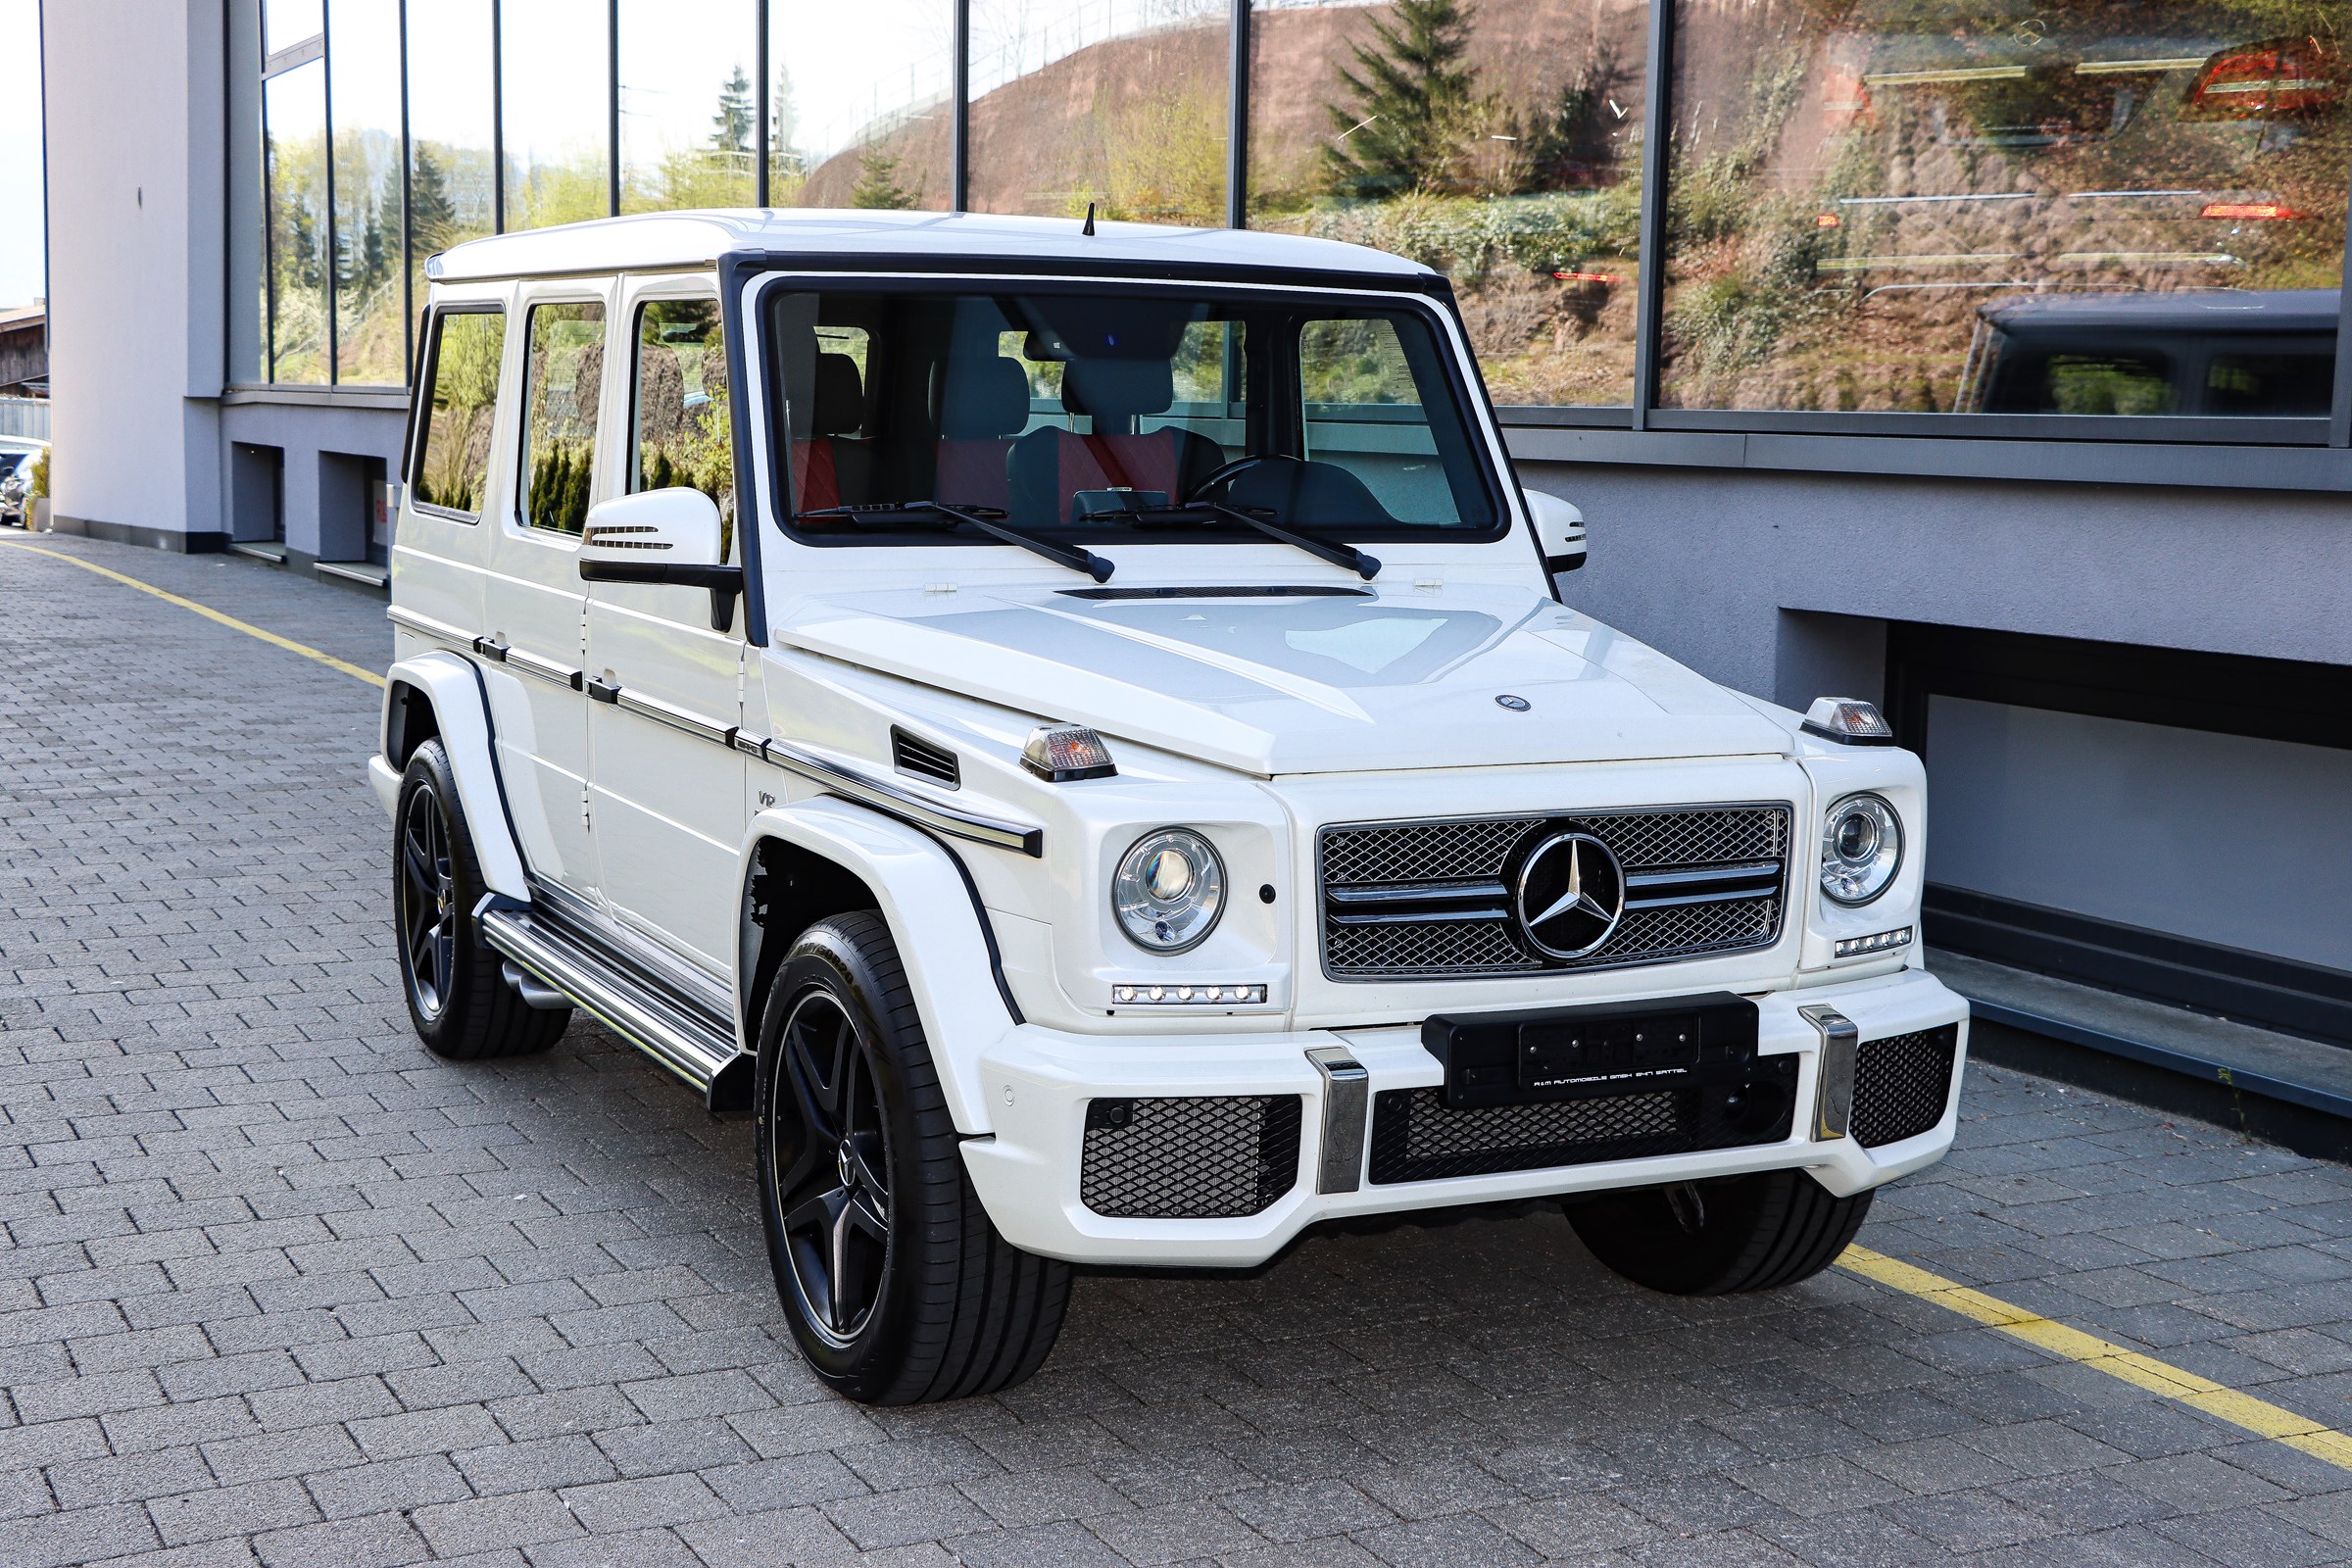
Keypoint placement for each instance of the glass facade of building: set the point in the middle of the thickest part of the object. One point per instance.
(1962, 216)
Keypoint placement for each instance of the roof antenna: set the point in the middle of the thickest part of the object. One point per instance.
(1089, 230)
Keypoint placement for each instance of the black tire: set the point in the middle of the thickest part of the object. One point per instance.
(898, 1287)
(462, 1007)
(1721, 1237)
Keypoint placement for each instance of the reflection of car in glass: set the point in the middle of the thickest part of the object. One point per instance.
(2217, 353)
(1120, 785)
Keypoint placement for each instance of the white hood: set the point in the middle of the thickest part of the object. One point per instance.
(1404, 678)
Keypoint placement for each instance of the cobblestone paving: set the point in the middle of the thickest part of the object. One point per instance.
(276, 1286)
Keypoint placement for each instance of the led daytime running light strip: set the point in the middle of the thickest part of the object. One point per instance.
(1165, 995)
(1882, 942)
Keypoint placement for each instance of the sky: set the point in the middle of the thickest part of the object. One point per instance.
(21, 277)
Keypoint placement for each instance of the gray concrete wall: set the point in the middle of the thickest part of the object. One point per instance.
(310, 432)
(136, 203)
(1755, 577)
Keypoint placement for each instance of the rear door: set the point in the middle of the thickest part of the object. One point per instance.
(535, 607)
(667, 783)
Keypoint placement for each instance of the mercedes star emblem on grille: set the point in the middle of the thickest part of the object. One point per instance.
(1571, 894)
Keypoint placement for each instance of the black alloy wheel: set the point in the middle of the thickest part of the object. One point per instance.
(429, 908)
(459, 1000)
(832, 1170)
(898, 1288)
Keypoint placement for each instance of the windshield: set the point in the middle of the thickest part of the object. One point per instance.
(1156, 416)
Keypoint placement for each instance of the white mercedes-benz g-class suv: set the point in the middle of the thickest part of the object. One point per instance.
(1075, 731)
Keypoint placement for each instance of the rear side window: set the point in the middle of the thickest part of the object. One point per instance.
(453, 460)
(562, 380)
(681, 435)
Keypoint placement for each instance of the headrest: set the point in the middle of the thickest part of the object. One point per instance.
(1117, 389)
(982, 398)
(837, 406)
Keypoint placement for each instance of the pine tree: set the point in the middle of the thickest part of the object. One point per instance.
(732, 127)
(432, 214)
(1411, 95)
(302, 242)
(783, 128)
(878, 181)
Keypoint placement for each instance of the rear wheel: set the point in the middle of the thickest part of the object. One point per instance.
(899, 1289)
(462, 1007)
(1723, 1237)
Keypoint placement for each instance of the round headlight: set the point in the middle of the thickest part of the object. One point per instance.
(1170, 890)
(1861, 849)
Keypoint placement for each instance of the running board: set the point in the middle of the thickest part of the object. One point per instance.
(678, 1037)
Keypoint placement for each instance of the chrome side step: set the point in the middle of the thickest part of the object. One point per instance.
(682, 1038)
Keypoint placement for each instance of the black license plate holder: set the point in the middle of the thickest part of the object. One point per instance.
(1517, 1059)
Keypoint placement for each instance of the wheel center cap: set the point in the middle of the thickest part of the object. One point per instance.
(847, 1166)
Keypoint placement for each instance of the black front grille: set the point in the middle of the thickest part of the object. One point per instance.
(1416, 1139)
(1379, 878)
(1901, 1084)
(1198, 1158)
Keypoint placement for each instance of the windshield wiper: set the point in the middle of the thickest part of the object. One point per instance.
(989, 521)
(1357, 560)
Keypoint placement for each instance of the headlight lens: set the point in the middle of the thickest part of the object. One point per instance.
(1861, 849)
(1169, 890)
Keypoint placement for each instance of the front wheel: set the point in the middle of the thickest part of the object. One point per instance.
(1720, 1238)
(899, 1289)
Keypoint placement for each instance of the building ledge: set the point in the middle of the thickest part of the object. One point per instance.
(365, 573)
(2307, 1073)
(388, 399)
(261, 549)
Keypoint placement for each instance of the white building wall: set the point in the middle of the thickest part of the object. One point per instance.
(135, 265)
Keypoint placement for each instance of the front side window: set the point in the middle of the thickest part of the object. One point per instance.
(680, 431)
(454, 451)
(1161, 417)
(560, 384)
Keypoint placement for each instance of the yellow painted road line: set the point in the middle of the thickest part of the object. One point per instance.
(209, 614)
(2242, 1410)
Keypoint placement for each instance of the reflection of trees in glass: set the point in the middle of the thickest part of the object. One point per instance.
(878, 181)
(1411, 104)
(564, 379)
(298, 261)
(1495, 140)
(717, 172)
(684, 433)
(456, 434)
(1120, 104)
(1870, 175)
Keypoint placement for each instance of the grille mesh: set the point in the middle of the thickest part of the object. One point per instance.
(1901, 1084)
(1415, 1138)
(1402, 852)
(1197, 1158)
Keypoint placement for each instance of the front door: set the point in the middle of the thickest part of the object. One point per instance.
(536, 604)
(666, 789)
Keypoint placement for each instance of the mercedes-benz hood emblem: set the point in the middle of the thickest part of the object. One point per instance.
(1571, 894)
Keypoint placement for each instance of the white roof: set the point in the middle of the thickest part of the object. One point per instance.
(653, 241)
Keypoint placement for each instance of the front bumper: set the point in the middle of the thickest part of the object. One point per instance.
(1038, 1083)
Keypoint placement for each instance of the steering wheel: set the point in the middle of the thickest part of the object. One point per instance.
(1226, 473)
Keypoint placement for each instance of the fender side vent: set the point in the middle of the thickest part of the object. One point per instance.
(921, 758)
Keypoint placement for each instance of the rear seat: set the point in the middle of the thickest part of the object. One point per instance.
(983, 404)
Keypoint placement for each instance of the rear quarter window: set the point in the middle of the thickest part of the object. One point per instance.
(452, 456)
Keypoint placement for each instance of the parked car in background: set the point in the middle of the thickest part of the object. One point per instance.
(19, 457)
(2208, 351)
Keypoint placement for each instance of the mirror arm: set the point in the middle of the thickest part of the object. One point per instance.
(724, 582)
